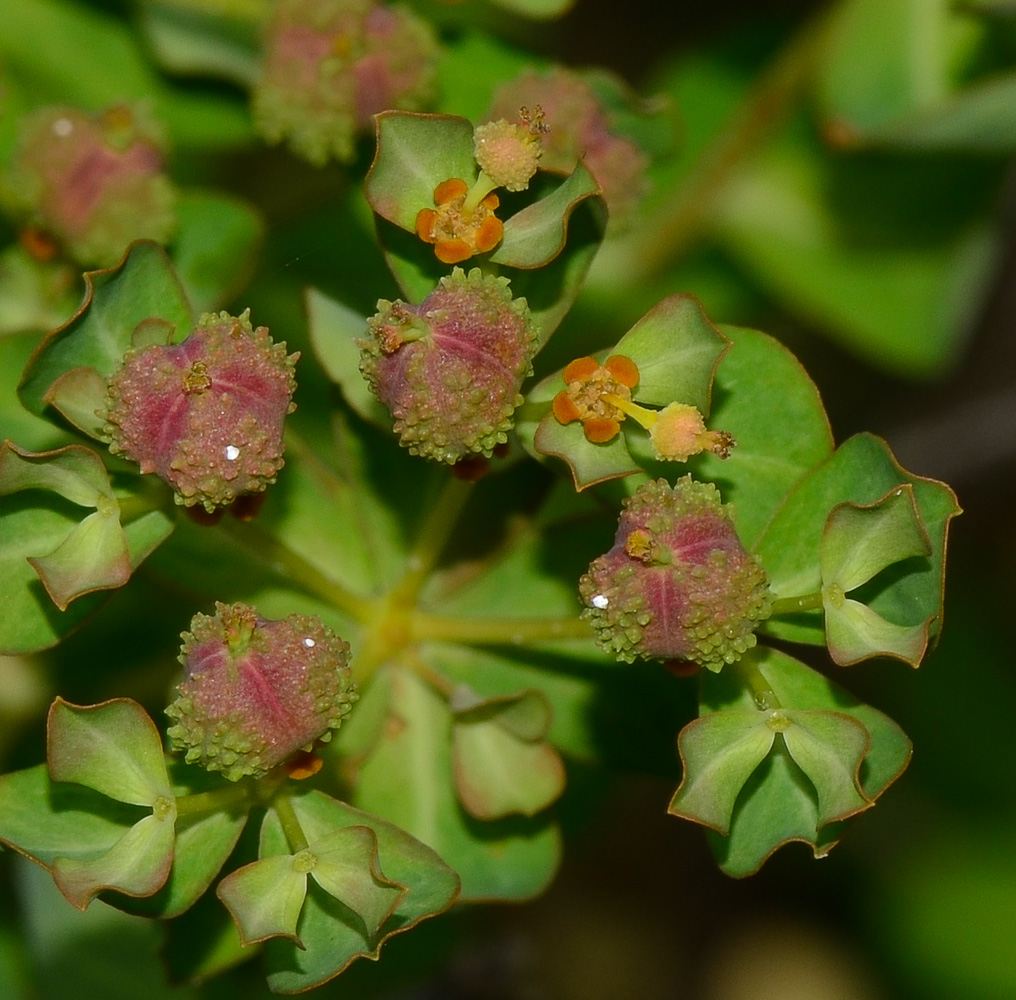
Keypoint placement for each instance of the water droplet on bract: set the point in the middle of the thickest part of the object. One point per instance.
(232, 452)
(762, 702)
(63, 127)
(600, 601)
(309, 643)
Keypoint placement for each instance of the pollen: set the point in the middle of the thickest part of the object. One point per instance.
(457, 232)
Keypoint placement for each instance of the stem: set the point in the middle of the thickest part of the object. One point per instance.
(483, 186)
(497, 631)
(437, 528)
(295, 836)
(292, 565)
(793, 605)
(220, 800)
(679, 222)
(754, 680)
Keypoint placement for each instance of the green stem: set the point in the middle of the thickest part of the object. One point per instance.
(225, 799)
(497, 631)
(754, 680)
(680, 221)
(794, 605)
(483, 186)
(437, 528)
(295, 836)
(293, 566)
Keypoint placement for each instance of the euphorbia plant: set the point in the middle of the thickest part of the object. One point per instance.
(401, 609)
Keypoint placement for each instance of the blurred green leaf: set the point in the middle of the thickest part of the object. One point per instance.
(501, 763)
(34, 295)
(334, 329)
(407, 778)
(69, 52)
(890, 257)
(216, 247)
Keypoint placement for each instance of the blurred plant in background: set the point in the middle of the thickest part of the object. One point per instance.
(559, 537)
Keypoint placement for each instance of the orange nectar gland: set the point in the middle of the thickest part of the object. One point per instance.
(459, 225)
(600, 396)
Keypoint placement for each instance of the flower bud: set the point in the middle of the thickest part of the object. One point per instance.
(256, 692)
(578, 128)
(330, 65)
(93, 183)
(450, 369)
(206, 414)
(677, 584)
(509, 153)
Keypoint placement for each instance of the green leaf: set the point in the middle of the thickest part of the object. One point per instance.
(138, 864)
(719, 752)
(890, 257)
(829, 748)
(265, 898)
(502, 765)
(30, 621)
(334, 330)
(74, 472)
(408, 779)
(92, 557)
(216, 247)
(855, 632)
(194, 40)
(861, 471)
(882, 60)
(415, 153)
(780, 802)
(79, 396)
(535, 235)
(204, 840)
(93, 554)
(862, 540)
(87, 841)
(34, 295)
(332, 935)
(112, 747)
(347, 868)
(536, 9)
(141, 287)
(765, 399)
(45, 821)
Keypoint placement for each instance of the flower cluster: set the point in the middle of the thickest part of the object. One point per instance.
(677, 583)
(450, 369)
(206, 414)
(330, 65)
(256, 692)
(462, 222)
(600, 396)
(90, 183)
